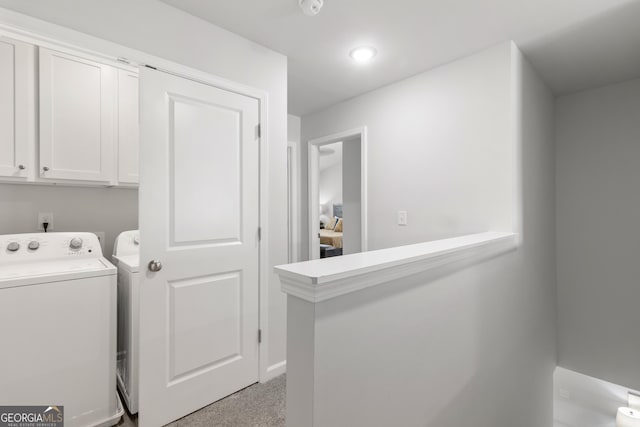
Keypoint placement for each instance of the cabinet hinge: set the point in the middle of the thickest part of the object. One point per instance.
(259, 233)
(259, 130)
(259, 336)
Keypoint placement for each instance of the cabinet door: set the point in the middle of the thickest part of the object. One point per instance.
(17, 109)
(77, 118)
(127, 127)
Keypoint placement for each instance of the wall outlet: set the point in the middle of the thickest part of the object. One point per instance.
(402, 217)
(45, 217)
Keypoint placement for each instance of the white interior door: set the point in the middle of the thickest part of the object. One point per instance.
(199, 217)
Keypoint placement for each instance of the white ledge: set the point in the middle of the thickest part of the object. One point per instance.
(322, 279)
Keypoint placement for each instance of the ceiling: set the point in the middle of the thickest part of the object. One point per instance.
(575, 44)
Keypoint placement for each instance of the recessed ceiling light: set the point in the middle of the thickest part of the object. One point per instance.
(363, 54)
(326, 151)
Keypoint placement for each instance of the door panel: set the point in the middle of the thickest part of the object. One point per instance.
(205, 213)
(17, 107)
(199, 216)
(203, 339)
(77, 127)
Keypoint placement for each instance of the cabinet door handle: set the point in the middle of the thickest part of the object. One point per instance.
(21, 167)
(45, 168)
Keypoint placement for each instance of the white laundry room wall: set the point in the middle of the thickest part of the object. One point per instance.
(108, 210)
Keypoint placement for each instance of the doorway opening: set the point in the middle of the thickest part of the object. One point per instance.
(337, 194)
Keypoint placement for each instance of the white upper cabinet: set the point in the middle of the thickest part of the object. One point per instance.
(17, 109)
(77, 118)
(128, 145)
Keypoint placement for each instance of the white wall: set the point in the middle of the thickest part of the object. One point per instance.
(155, 28)
(598, 211)
(434, 127)
(469, 348)
(74, 209)
(293, 136)
(330, 187)
(293, 128)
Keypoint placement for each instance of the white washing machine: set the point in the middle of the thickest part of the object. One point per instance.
(58, 326)
(126, 256)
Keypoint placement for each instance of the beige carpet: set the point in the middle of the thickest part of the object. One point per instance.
(259, 405)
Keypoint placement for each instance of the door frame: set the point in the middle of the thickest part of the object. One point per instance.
(314, 184)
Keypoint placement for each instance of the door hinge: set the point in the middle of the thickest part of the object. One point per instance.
(259, 130)
(259, 233)
(259, 336)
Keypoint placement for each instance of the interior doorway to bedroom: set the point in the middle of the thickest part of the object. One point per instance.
(330, 192)
(337, 194)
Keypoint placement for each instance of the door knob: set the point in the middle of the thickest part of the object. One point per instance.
(21, 167)
(155, 265)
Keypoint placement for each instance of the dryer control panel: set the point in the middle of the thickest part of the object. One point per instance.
(45, 246)
(127, 243)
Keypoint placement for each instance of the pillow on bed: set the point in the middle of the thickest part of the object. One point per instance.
(331, 224)
(338, 226)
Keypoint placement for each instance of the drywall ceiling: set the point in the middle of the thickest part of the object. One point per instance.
(566, 39)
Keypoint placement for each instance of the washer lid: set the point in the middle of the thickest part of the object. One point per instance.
(31, 273)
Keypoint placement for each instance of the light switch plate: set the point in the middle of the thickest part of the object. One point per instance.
(402, 217)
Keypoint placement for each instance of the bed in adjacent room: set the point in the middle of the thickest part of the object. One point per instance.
(332, 233)
(331, 238)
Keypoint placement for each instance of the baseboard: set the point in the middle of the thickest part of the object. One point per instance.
(275, 370)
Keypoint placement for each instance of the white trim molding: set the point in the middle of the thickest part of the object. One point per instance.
(320, 280)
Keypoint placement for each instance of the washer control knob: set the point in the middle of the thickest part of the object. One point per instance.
(13, 246)
(33, 245)
(75, 243)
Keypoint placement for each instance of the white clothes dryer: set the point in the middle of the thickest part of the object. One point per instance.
(126, 256)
